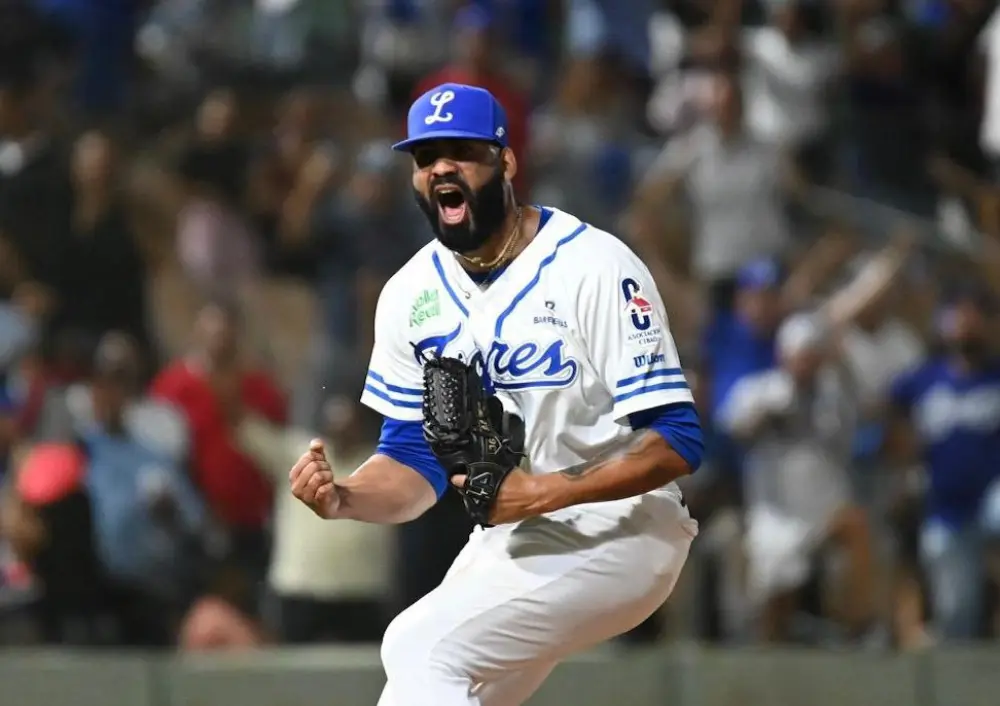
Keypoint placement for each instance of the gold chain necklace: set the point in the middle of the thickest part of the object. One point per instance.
(504, 251)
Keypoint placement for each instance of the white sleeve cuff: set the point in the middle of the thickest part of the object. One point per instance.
(392, 401)
(648, 390)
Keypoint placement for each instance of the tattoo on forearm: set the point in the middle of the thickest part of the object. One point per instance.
(635, 444)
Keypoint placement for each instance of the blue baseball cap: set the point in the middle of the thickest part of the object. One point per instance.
(454, 111)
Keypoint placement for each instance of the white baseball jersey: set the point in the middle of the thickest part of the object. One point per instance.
(572, 336)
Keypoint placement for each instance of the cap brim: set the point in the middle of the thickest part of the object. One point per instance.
(407, 145)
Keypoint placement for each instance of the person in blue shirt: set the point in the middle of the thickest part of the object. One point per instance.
(952, 406)
(149, 520)
(739, 342)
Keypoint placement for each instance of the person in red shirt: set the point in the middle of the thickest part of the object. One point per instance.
(473, 62)
(212, 386)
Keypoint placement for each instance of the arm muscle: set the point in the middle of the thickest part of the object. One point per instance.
(385, 491)
(642, 462)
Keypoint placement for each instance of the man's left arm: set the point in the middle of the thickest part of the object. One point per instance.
(624, 327)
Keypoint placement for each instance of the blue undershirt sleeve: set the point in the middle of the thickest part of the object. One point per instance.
(679, 425)
(403, 442)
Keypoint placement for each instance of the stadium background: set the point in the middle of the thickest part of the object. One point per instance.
(198, 207)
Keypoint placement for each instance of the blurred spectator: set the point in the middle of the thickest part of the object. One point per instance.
(213, 385)
(878, 347)
(48, 518)
(945, 45)
(19, 324)
(735, 186)
(102, 248)
(214, 624)
(39, 383)
(798, 422)
(887, 126)
(582, 142)
(474, 60)
(148, 519)
(690, 42)
(287, 181)
(738, 344)
(789, 70)
(157, 425)
(361, 235)
(530, 31)
(102, 33)
(400, 41)
(35, 194)
(216, 247)
(326, 585)
(952, 403)
(593, 27)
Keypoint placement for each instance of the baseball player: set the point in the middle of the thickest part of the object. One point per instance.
(524, 358)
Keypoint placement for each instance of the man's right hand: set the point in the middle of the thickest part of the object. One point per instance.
(311, 479)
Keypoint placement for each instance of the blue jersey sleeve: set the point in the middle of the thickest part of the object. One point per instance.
(403, 442)
(679, 425)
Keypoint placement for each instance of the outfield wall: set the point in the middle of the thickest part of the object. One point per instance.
(673, 676)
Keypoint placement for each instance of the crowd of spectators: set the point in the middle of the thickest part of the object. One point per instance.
(198, 209)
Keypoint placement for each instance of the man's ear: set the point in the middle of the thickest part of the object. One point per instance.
(509, 163)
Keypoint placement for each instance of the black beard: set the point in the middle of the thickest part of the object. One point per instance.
(487, 210)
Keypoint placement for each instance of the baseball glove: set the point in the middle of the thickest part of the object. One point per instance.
(469, 432)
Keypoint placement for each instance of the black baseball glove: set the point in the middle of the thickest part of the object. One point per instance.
(469, 432)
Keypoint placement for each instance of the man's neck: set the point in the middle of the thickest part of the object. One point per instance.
(498, 240)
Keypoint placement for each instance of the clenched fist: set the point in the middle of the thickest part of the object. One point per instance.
(311, 479)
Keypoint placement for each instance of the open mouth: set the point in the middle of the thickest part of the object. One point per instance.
(451, 204)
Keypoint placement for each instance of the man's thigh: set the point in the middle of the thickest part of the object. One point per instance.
(529, 594)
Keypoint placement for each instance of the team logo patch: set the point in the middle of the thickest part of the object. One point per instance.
(638, 308)
(641, 315)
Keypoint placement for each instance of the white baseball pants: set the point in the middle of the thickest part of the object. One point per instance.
(519, 598)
